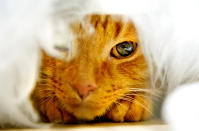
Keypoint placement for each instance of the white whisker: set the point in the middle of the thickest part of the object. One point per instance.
(127, 99)
(137, 94)
(131, 99)
(118, 103)
(143, 106)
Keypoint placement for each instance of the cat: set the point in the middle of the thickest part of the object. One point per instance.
(107, 76)
(18, 109)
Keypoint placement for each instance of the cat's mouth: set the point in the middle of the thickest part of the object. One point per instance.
(87, 109)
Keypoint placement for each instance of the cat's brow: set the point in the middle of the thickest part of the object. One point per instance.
(105, 23)
(118, 28)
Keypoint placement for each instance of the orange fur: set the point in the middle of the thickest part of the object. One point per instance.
(118, 94)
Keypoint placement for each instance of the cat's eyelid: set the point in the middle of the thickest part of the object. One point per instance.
(61, 48)
(125, 39)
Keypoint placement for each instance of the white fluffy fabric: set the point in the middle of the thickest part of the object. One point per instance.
(168, 32)
(181, 108)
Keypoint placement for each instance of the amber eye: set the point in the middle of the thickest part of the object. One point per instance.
(123, 49)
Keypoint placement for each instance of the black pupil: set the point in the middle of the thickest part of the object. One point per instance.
(125, 48)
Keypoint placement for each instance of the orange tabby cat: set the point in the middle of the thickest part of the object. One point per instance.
(107, 76)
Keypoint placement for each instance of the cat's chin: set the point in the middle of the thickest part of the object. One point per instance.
(86, 113)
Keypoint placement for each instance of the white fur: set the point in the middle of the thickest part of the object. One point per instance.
(168, 31)
(20, 22)
(181, 108)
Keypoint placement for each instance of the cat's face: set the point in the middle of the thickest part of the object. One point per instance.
(107, 65)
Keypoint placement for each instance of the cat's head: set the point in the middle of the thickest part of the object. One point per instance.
(107, 65)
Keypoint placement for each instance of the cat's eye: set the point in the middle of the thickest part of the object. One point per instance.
(123, 49)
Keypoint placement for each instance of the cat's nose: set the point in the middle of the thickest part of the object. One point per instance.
(84, 89)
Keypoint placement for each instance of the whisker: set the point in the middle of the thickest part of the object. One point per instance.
(127, 99)
(135, 100)
(143, 106)
(132, 99)
(136, 94)
(146, 94)
(118, 103)
(43, 100)
(140, 89)
(149, 91)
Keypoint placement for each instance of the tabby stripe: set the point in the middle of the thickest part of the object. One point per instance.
(118, 28)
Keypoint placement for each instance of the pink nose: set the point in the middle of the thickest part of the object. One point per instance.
(84, 89)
